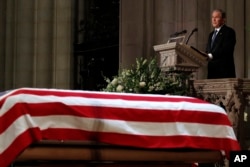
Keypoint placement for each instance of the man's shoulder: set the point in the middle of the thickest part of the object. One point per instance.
(227, 28)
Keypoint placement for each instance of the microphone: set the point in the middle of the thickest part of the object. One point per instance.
(178, 33)
(194, 30)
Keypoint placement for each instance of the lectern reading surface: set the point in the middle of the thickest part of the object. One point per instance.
(176, 55)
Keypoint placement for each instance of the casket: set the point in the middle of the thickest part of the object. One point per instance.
(90, 126)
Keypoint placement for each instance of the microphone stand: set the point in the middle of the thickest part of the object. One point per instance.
(178, 33)
(194, 30)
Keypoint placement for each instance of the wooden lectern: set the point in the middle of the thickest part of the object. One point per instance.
(178, 56)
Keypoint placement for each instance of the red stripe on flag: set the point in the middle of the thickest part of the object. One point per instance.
(106, 95)
(20, 143)
(126, 114)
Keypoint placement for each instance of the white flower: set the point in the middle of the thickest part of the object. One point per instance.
(107, 80)
(124, 73)
(109, 86)
(157, 84)
(142, 84)
(119, 88)
(151, 88)
(144, 62)
(114, 81)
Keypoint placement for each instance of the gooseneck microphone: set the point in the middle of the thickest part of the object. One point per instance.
(194, 30)
(178, 33)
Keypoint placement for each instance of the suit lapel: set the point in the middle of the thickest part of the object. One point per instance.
(217, 38)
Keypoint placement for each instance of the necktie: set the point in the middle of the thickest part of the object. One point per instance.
(213, 37)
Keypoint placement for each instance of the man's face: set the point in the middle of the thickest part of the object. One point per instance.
(217, 19)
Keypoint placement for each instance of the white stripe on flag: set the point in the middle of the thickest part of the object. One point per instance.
(116, 126)
(117, 103)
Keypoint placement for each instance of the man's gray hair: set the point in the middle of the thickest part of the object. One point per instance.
(223, 13)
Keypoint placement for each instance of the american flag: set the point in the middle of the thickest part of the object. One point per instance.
(28, 115)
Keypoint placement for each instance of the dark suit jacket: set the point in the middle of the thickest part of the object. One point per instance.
(222, 64)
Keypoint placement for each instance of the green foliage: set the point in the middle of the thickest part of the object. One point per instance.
(147, 77)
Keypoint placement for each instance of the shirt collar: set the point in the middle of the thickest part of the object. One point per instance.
(218, 29)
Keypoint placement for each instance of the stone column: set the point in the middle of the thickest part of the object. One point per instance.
(38, 40)
(235, 19)
(43, 41)
(164, 21)
(62, 44)
(2, 41)
(144, 23)
(131, 31)
(247, 39)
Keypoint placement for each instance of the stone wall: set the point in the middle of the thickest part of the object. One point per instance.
(36, 43)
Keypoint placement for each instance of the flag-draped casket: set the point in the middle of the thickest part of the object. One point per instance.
(28, 115)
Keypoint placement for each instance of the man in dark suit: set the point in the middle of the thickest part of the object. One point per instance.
(220, 48)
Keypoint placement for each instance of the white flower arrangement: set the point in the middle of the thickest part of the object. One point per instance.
(147, 77)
